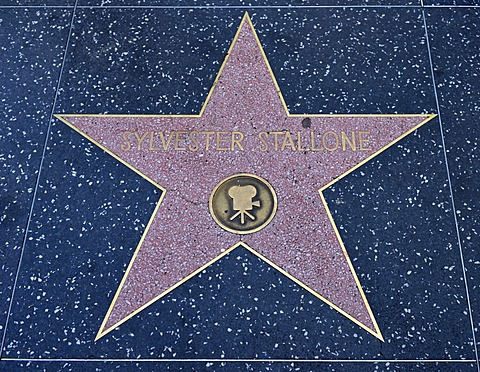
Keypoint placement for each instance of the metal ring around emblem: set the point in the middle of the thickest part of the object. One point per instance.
(243, 203)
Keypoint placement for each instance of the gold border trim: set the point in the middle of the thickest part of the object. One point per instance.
(377, 332)
(62, 117)
(103, 332)
(246, 19)
(427, 117)
(240, 232)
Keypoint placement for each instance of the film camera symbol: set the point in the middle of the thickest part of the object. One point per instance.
(243, 203)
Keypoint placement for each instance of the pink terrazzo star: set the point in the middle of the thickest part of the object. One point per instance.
(253, 132)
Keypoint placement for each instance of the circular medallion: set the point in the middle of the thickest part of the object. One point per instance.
(243, 203)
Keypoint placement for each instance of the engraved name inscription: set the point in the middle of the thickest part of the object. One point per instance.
(235, 141)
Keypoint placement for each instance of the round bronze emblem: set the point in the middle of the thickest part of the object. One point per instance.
(243, 203)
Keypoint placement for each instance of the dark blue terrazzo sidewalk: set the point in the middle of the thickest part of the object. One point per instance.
(71, 215)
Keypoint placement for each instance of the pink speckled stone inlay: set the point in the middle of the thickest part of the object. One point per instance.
(183, 236)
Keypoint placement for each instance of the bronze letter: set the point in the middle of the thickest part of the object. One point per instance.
(237, 141)
(127, 146)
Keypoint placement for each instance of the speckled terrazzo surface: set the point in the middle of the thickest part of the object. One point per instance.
(72, 215)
